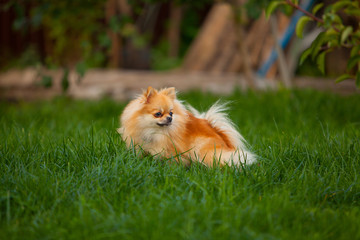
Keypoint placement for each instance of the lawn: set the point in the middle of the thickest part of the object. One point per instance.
(65, 173)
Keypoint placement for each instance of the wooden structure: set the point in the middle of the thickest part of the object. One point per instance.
(224, 46)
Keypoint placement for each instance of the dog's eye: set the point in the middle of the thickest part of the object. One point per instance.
(171, 114)
(158, 114)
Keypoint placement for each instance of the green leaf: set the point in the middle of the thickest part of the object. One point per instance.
(301, 24)
(355, 51)
(356, 34)
(114, 24)
(346, 33)
(327, 9)
(272, 6)
(104, 40)
(334, 18)
(46, 81)
(305, 55)
(353, 12)
(357, 81)
(332, 43)
(287, 10)
(81, 68)
(343, 77)
(332, 38)
(331, 31)
(353, 61)
(340, 4)
(317, 44)
(317, 7)
(320, 62)
(65, 80)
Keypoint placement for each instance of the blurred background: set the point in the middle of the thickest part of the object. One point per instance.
(92, 48)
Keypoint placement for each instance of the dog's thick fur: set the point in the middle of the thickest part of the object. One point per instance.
(182, 132)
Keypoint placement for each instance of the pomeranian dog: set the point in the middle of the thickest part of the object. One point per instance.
(160, 124)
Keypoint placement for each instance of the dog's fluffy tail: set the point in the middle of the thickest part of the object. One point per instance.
(217, 117)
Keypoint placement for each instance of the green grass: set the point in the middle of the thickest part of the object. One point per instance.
(65, 173)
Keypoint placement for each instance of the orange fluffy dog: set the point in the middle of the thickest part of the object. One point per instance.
(161, 124)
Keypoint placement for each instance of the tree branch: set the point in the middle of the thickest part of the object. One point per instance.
(309, 14)
(305, 12)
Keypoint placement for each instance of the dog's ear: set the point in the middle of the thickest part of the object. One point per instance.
(170, 92)
(149, 93)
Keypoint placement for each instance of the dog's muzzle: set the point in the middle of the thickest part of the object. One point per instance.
(167, 123)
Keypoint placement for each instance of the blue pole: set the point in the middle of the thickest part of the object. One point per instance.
(284, 41)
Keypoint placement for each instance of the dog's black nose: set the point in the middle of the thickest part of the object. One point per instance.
(169, 119)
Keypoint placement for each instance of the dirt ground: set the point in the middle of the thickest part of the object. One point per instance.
(123, 85)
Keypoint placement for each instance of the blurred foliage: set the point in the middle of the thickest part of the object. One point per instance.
(161, 60)
(77, 32)
(190, 26)
(74, 28)
(255, 7)
(29, 57)
(336, 33)
(308, 68)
